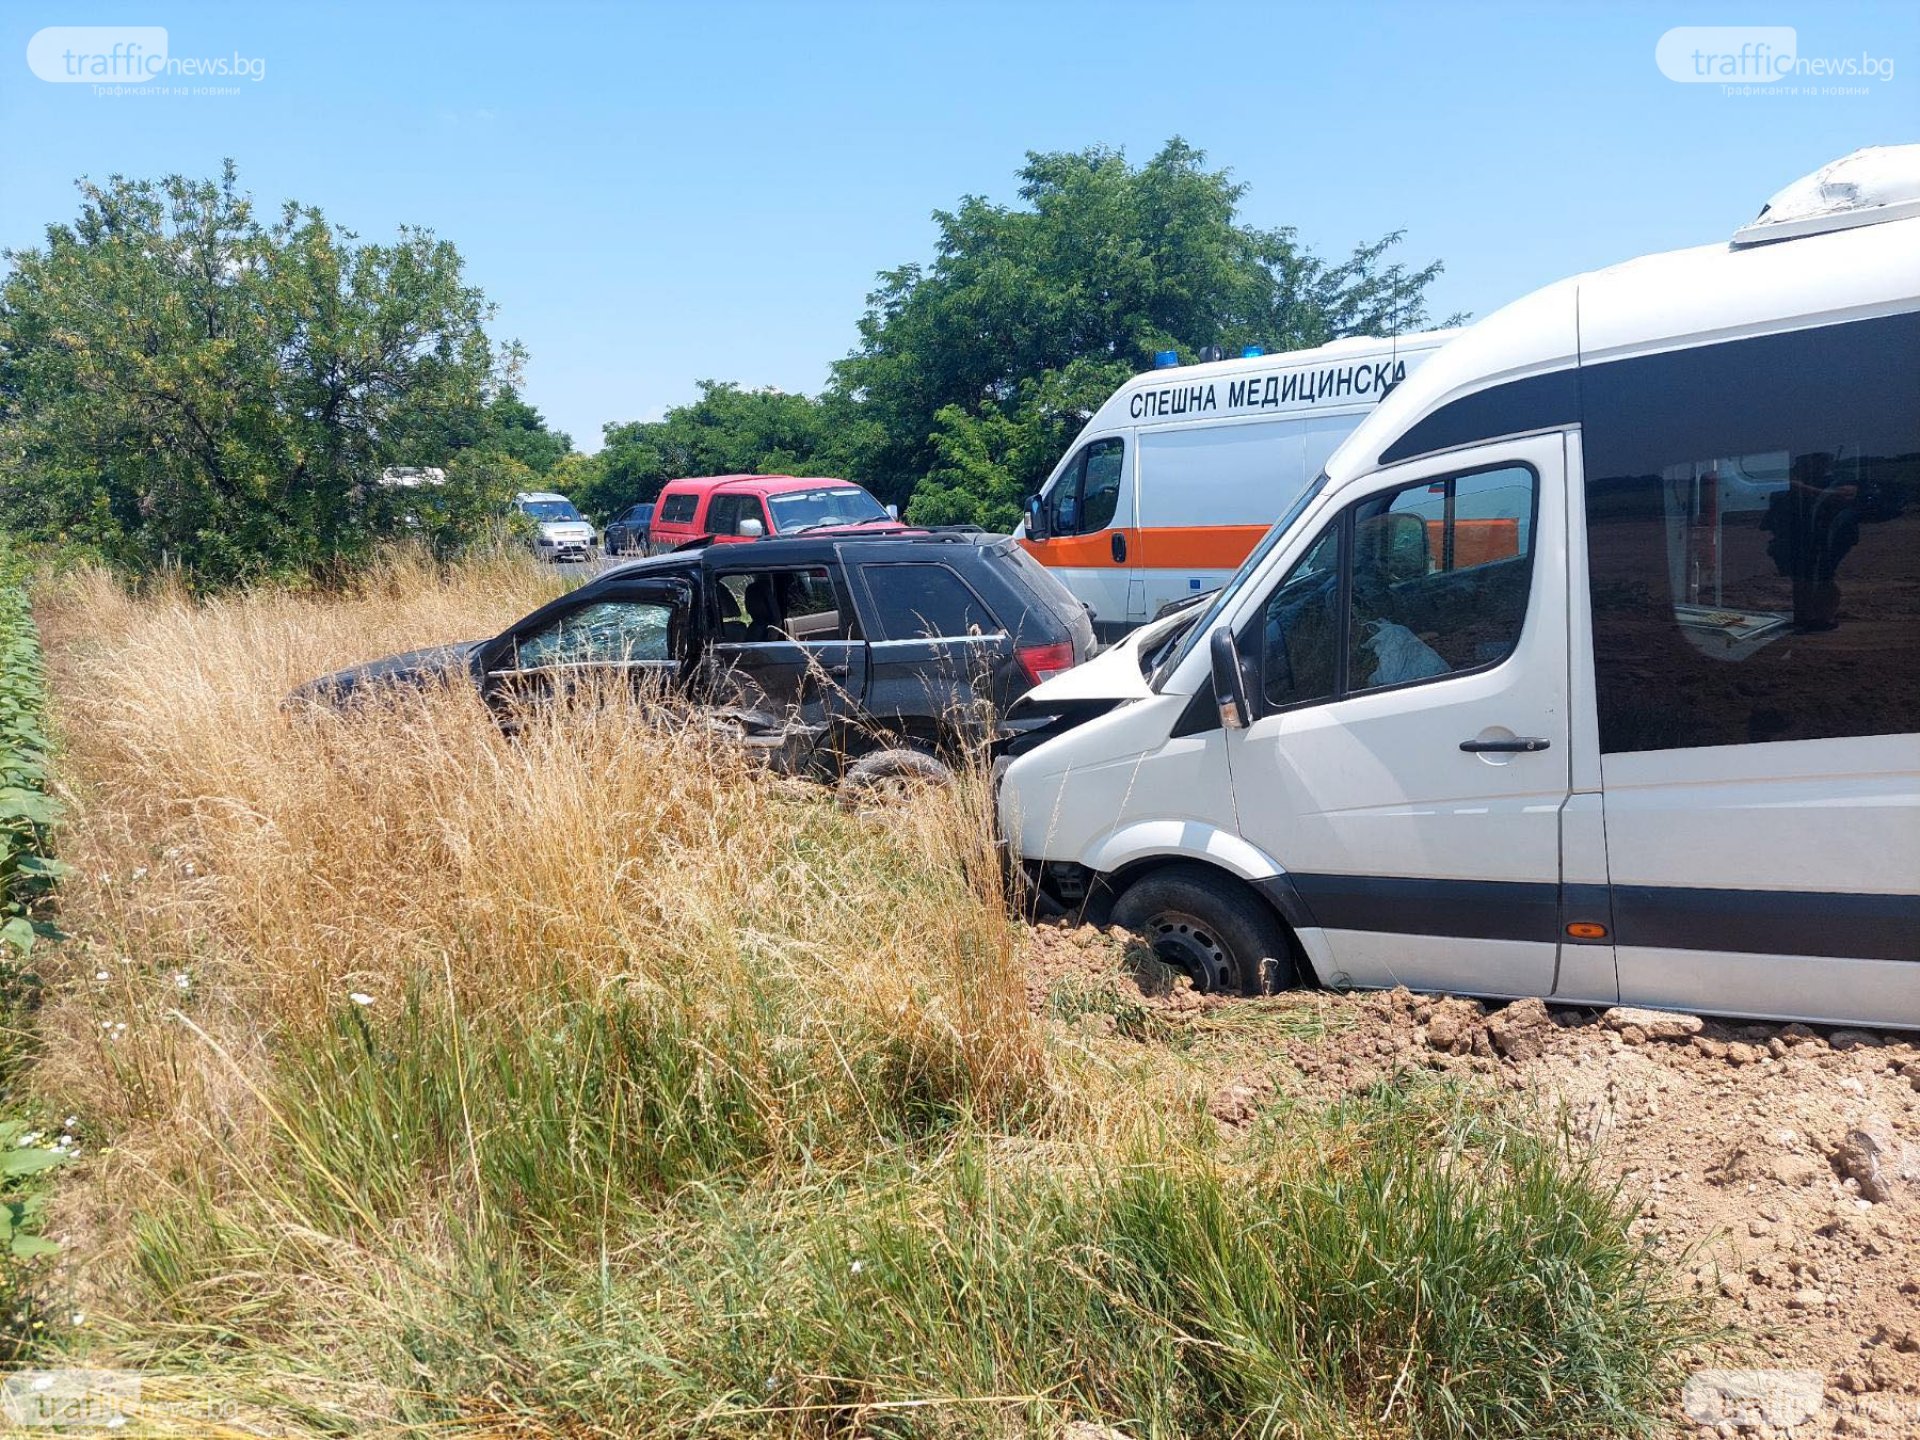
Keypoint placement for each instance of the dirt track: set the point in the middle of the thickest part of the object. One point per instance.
(1778, 1166)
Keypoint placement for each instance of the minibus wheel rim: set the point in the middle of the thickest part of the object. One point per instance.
(1193, 946)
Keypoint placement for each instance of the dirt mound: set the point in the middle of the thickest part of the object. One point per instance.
(1777, 1166)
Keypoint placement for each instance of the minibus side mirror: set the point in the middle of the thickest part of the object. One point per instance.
(1036, 518)
(1229, 681)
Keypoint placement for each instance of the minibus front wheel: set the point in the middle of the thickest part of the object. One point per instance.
(1211, 926)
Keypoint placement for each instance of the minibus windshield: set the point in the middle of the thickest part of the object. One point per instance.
(1203, 627)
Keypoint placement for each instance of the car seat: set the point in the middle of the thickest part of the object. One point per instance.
(763, 611)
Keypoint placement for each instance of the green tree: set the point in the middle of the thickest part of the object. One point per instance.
(509, 426)
(973, 371)
(182, 384)
(728, 430)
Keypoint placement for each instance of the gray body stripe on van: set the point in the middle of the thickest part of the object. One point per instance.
(1768, 922)
(1844, 926)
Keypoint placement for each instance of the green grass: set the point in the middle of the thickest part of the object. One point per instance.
(1415, 1262)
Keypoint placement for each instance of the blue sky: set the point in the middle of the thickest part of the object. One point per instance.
(659, 193)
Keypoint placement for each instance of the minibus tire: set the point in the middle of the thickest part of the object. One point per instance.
(1211, 926)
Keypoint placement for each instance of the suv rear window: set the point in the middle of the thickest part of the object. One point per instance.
(678, 509)
(925, 601)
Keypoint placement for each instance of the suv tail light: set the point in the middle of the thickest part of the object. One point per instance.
(1043, 662)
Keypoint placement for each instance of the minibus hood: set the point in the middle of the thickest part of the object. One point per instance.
(1113, 675)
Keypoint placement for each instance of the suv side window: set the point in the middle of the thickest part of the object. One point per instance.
(925, 601)
(1086, 497)
(607, 632)
(1426, 580)
(758, 607)
(678, 509)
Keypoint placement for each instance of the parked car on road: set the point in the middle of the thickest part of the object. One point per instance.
(836, 646)
(560, 532)
(629, 532)
(745, 507)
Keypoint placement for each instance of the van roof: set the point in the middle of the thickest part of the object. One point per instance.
(529, 496)
(1724, 291)
(1879, 183)
(1122, 407)
(1353, 345)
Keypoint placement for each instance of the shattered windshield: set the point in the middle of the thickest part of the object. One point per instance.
(835, 505)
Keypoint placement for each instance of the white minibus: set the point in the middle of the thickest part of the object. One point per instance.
(1589, 669)
(1178, 475)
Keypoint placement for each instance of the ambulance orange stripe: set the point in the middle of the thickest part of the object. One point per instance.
(1169, 547)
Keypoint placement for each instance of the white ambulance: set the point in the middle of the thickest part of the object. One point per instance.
(1590, 668)
(1182, 471)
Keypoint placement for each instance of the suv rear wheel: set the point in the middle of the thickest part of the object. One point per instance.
(886, 777)
(1211, 927)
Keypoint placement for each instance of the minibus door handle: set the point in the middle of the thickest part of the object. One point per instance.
(1519, 745)
(1119, 548)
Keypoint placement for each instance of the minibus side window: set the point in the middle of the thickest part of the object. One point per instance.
(1426, 580)
(1300, 626)
(1441, 572)
(1753, 532)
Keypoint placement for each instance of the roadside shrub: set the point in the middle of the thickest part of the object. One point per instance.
(27, 873)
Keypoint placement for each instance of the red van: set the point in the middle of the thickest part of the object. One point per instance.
(745, 507)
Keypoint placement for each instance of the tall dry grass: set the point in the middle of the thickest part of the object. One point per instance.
(411, 853)
(591, 1082)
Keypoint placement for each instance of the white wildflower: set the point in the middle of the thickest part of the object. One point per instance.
(182, 980)
(360, 997)
(857, 1266)
(32, 1137)
(102, 975)
(139, 872)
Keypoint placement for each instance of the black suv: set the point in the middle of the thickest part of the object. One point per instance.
(854, 643)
